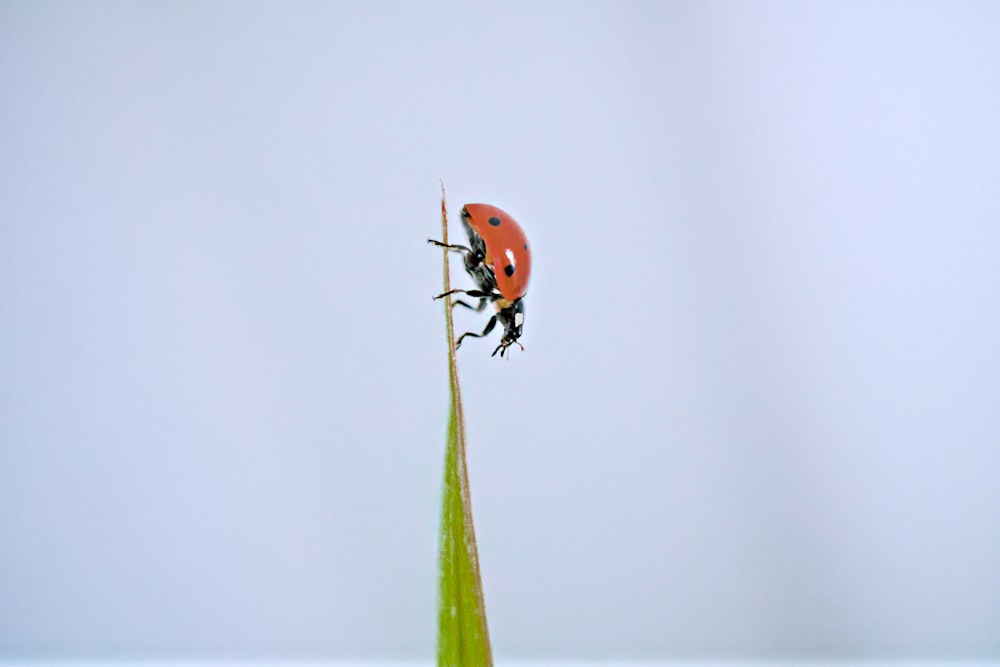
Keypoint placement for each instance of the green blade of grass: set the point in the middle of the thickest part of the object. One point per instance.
(463, 636)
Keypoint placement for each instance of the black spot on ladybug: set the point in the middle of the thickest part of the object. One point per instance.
(525, 246)
(509, 270)
(495, 221)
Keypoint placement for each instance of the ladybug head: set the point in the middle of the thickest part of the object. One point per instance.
(512, 319)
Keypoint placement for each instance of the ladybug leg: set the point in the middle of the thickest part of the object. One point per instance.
(471, 292)
(473, 256)
(489, 327)
(453, 247)
(502, 348)
(478, 309)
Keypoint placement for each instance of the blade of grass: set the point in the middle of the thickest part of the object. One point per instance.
(463, 636)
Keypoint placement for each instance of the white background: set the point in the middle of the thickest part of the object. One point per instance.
(759, 409)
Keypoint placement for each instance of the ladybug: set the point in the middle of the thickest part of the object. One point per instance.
(499, 261)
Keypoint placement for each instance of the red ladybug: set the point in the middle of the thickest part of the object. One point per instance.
(499, 261)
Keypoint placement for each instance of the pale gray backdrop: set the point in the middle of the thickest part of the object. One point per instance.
(759, 410)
